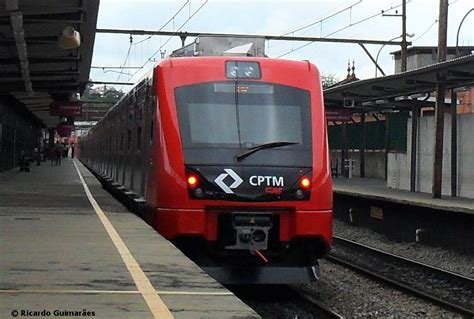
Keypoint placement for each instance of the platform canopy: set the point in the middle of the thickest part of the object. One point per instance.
(33, 67)
(400, 90)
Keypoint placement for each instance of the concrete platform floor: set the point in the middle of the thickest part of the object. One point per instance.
(55, 255)
(377, 189)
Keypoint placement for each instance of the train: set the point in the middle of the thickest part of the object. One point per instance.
(228, 159)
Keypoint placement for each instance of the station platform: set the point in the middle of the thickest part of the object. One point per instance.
(376, 189)
(69, 248)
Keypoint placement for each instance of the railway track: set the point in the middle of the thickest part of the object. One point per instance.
(444, 288)
(283, 301)
(323, 310)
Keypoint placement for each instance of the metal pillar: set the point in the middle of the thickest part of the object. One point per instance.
(404, 45)
(343, 150)
(387, 144)
(454, 145)
(362, 146)
(440, 94)
(414, 147)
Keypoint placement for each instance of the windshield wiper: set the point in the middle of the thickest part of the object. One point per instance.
(257, 148)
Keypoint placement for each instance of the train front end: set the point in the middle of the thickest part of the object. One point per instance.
(241, 178)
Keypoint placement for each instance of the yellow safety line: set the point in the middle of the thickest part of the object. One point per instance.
(125, 292)
(67, 291)
(195, 293)
(154, 302)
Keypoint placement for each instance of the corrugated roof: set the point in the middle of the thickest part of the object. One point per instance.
(378, 93)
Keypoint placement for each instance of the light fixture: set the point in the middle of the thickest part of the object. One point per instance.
(69, 39)
(305, 182)
(192, 180)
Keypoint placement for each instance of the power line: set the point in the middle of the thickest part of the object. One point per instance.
(185, 22)
(426, 31)
(321, 19)
(341, 29)
(126, 57)
(132, 44)
(166, 23)
(179, 28)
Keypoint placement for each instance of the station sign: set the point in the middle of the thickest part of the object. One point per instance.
(69, 109)
(338, 115)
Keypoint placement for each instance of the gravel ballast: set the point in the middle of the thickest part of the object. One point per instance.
(356, 296)
(435, 256)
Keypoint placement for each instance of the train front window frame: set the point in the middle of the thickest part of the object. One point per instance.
(214, 119)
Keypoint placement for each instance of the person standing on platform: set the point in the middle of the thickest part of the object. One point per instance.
(59, 150)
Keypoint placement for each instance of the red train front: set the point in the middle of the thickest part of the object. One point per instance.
(238, 174)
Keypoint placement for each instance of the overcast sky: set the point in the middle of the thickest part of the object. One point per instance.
(273, 17)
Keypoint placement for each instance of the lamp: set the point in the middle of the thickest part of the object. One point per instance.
(69, 39)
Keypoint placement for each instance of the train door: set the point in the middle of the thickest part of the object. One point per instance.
(152, 160)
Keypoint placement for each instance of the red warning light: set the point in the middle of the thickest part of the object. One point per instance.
(305, 182)
(193, 180)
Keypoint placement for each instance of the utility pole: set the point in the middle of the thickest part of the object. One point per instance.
(440, 95)
(403, 52)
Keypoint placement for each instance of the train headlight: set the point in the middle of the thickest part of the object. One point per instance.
(242, 70)
(249, 71)
(305, 182)
(192, 180)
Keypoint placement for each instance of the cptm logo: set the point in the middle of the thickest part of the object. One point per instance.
(274, 184)
(220, 181)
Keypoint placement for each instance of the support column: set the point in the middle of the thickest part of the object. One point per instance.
(387, 144)
(343, 150)
(362, 146)
(440, 94)
(454, 144)
(403, 51)
(414, 147)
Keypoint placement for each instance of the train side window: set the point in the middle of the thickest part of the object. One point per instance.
(129, 140)
(152, 130)
(139, 138)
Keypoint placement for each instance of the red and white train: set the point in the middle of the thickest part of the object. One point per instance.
(230, 157)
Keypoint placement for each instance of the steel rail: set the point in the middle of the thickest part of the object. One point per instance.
(326, 311)
(418, 263)
(403, 286)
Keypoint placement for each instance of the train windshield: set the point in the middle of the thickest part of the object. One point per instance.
(241, 115)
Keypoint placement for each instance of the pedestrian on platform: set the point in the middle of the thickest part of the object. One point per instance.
(37, 156)
(51, 154)
(59, 151)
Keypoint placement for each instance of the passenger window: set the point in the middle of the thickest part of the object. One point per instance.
(139, 138)
(152, 130)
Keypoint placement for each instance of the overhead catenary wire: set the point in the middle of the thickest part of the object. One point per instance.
(321, 20)
(178, 29)
(166, 23)
(343, 28)
(123, 65)
(166, 42)
(126, 57)
(426, 31)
